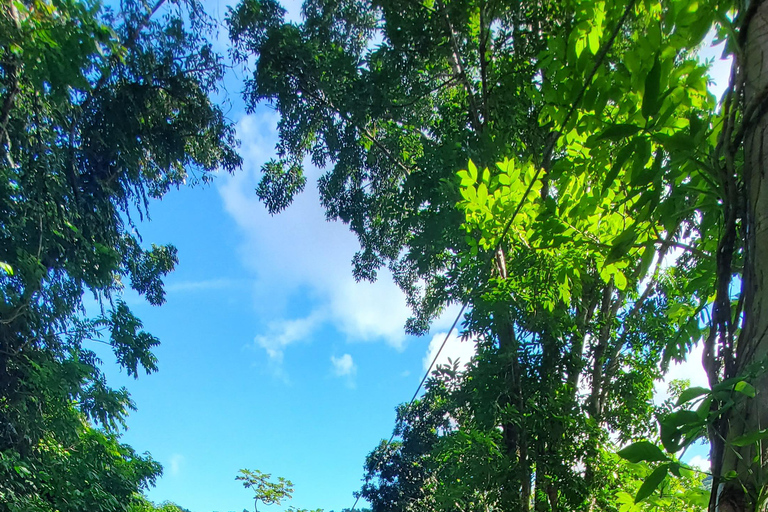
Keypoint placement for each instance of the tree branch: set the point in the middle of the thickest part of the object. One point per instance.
(458, 68)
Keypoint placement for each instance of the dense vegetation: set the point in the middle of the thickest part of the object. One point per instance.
(608, 218)
(558, 167)
(101, 110)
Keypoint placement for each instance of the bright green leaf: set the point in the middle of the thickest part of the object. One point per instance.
(642, 451)
(690, 393)
(745, 388)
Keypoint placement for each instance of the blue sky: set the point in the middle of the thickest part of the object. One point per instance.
(272, 357)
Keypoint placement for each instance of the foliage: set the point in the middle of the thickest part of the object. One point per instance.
(379, 93)
(400, 475)
(269, 493)
(100, 111)
(570, 309)
(141, 504)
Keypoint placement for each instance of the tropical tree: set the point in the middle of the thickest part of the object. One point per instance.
(102, 110)
(703, 194)
(141, 504)
(267, 491)
(625, 225)
(393, 97)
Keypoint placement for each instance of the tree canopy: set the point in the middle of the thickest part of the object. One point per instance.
(558, 167)
(609, 222)
(102, 109)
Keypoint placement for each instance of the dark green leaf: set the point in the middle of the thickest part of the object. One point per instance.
(621, 159)
(652, 482)
(621, 245)
(618, 131)
(652, 88)
(642, 451)
(691, 393)
(750, 438)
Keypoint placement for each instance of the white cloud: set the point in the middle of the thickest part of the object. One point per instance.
(455, 349)
(284, 333)
(175, 463)
(691, 370)
(298, 253)
(202, 285)
(343, 366)
(700, 462)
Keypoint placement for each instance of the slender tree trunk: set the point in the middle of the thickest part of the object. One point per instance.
(515, 438)
(749, 462)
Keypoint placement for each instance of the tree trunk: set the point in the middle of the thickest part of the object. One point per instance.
(515, 438)
(741, 494)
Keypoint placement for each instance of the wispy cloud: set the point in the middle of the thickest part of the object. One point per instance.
(175, 463)
(343, 365)
(299, 253)
(202, 285)
(454, 350)
(280, 334)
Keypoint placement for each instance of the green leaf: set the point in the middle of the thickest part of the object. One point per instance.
(646, 259)
(745, 388)
(677, 143)
(621, 245)
(620, 280)
(472, 170)
(683, 417)
(618, 132)
(642, 451)
(751, 438)
(593, 41)
(621, 159)
(691, 393)
(651, 101)
(652, 482)
(6, 268)
(704, 407)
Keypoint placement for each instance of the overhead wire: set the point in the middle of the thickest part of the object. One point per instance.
(421, 384)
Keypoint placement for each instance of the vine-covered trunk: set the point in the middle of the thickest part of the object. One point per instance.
(749, 462)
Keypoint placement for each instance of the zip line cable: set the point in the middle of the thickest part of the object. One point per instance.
(546, 163)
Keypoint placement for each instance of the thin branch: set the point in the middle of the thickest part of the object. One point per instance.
(458, 67)
(11, 70)
(485, 33)
(555, 135)
(321, 97)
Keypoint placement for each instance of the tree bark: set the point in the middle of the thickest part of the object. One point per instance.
(515, 439)
(749, 462)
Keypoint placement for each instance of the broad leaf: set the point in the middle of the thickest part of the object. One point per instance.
(690, 394)
(652, 482)
(651, 101)
(750, 438)
(642, 451)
